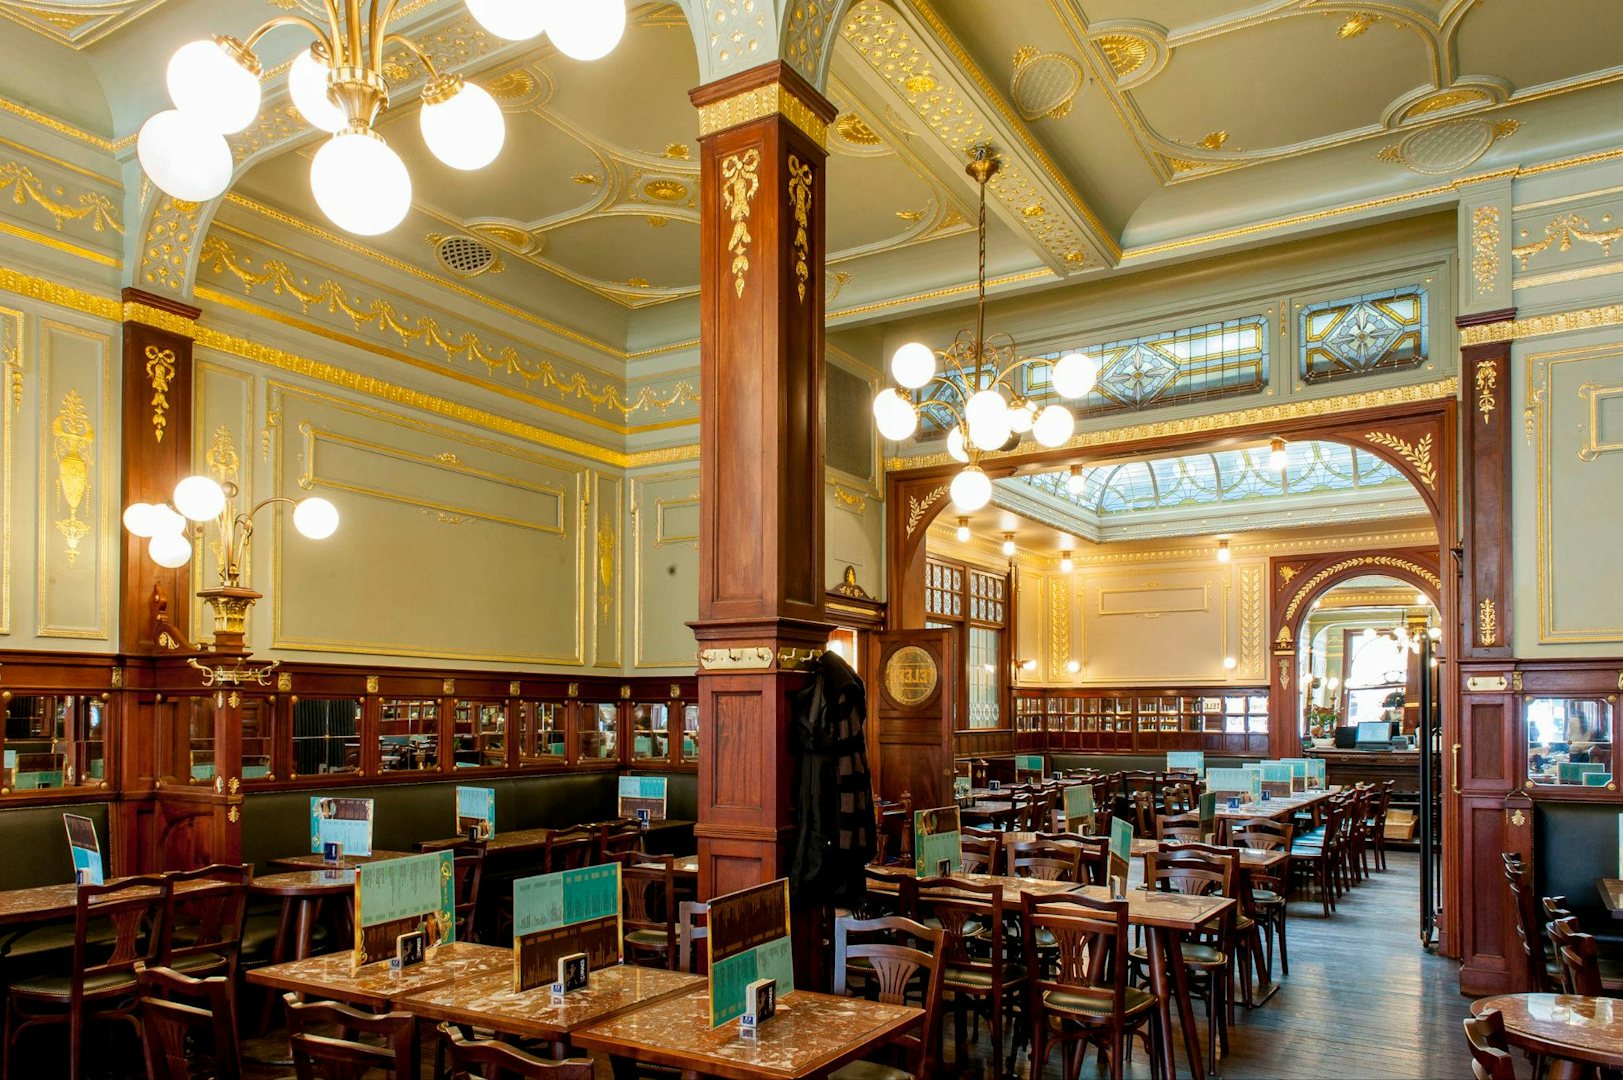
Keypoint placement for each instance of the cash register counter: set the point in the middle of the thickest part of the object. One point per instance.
(1347, 767)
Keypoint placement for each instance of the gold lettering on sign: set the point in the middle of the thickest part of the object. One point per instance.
(1487, 623)
(800, 193)
(910, 675)
(1485, 248)
(160, 373)
(75, 442)
(740, 178)
(1487, 380)
(1418, 455)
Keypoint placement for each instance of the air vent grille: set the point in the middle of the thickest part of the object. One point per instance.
(848, 431)
(464, 256)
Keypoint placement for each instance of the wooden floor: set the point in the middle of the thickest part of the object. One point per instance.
(1362, 1000)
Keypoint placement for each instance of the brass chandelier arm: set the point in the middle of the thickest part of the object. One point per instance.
(382, 12)
(289, 20)
(411, 47)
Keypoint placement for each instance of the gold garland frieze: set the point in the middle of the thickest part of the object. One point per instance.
(25, 187)
(740, 178)
(160, 373)
(74, 440)
(220, 258)
(1487, 380)
(852, 499)
(1485, 248)
(773, 99)
(1560, 233)
(800, 196)
(1487, 623)
(1417, 454)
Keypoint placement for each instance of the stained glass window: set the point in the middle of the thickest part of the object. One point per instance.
(1360, 335)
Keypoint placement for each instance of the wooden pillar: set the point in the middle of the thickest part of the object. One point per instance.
(762, 199)
(1485, 373)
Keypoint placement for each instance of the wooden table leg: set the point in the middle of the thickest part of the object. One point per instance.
(1161, 988)
(1186, 1016)
(305, 916)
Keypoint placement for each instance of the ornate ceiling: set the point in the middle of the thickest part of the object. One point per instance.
(1134, 131)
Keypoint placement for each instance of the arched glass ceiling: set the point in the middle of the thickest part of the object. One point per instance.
(1222, 477)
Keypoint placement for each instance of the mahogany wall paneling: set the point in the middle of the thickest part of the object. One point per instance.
(1486, 427)
(916, 736)
(1487, 924)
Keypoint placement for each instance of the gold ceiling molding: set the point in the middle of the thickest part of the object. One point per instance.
(773, 99)
(96, 142)
(100, 258)
(1447, 147)
(967, 289)
(26, 186)
(78, 25)
(168, 243)
(1200, 425)
(1564, 322)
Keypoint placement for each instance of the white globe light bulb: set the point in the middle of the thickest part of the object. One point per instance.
(913, 365)
(465, 130)
(1074, 374)
(183, 157)
(515, 20)
(1230, 663)
(955, 444)
(895, 415)
(164, 520)
(138, 519)
(986, 407)
(971, 489)
(207, 82)
(585, 29)
(315, 518)
(990, 434)
(1066, 564)
(1053, 425)
(170, 550)
(199, 498)
(1075, 482)
(962, 534)
(360, 183)
(1020, 417)
(307, 84)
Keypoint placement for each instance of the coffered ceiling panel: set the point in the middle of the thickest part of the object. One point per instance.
(629, 252)
(1567, 39)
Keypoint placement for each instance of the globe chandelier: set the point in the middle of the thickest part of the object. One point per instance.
(979, 404)
(337, 85)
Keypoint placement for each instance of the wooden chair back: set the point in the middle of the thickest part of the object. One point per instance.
(902, 974)
(1178, 827)
(618, 838)
(980, 851)
(1192, 869)
(208, 915)
(692, 927)
(169, 1022)
(489, 1059)
(136, 907)
(1090, 947)
(888, 894)
(570, 849)
(1093, 855)
(1046, 860)
(1580, 960)
(1561, 932)
(467, 874)
(648, 896)
(1528, 932)
(1490, 1053)
(963, 909)
(325, 1057)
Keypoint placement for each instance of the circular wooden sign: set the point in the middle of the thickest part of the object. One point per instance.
(911, 675)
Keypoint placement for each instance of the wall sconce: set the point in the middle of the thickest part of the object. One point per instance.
(1277, 458)
(963, 530)
(1223, 552)
(1008, 544)
(1230, 663)
(1073, 666)
(1066, 563)
(1028, 665)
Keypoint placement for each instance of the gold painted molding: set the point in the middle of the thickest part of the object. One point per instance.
(773, 99)
(1562, 322)
(1199, 425)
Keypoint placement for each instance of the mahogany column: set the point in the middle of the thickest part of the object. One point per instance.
(761, 456)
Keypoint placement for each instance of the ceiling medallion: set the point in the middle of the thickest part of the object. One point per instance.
(340, 84)
(678, 152)
(665, 190)
(1045, 84)
(1126, 53)
(854, 129)
(1447, 147)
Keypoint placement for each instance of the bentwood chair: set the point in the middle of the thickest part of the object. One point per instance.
(897, 971)
(977, 977)
(467, 874)
(1270, 890)
(171, 1024)
(1046, 861)
(691, 928)
(1542, 968)
(1490, 1053)
(1083, 998)
(618, 838)
(203, 926)
(490, 1059)
(1197, 870)
(980, 852)
(393, 1048)
(99, 988)
(648, 907)
(570, 849)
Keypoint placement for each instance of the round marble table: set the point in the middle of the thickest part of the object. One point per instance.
(1577, 1032)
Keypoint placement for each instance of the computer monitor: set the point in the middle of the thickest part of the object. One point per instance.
(1375, 731)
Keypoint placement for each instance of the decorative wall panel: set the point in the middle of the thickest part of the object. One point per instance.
(223, 446)
(11, 407)
(451, 545)
(607, 570)
(1134, 622)
(77, 488)
(664, 569)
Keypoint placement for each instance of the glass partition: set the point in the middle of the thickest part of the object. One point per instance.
(690, 733)
(650, 731)
(53, 741)
(479, 734)
(541, 730)
(409, 734)
(326, 736)
(256, 739)
(1569, 740)
(195, 721)
(599, 731)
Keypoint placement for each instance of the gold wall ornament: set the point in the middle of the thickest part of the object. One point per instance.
(371, 684)
(1560, 232)
(851, 499)
(848, 585)
(800, 195)
(1125, 53)
(448, 686)
(1417, 454)
(167, 247)
(1592, 447)
(284, 682)
(1388, 561)
(1059, 624)
(606, 558)
(1517, 818)
(160, 373)
(27, 187)
(1285, 672)
(1286, 573)
(740, 179)
(1487, 623)
(916, 507)
(773, 99)
(1564, 322)
(223, 462)
(1487, 379)
(1251, 618)
(74, 440)
(1355, 25)
(1485, 248)
(118, 678)
(1516, 682)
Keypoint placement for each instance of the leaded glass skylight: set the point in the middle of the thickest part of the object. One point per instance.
(1360, 335)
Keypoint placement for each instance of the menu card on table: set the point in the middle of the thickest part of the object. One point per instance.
(85, 849)
(559, 915)
(1276, 778)
(938, 842)
(1243, 782)
(1121, 852)
(346, 822)
(1208, 813)
(642, 793)
(476, 812)
(1028, 763)
(1079, 807)
(749, 942)
(403, 896)
(1187, 761)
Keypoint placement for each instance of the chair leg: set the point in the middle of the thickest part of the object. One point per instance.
(5, 1051)
(76, 1020)
(997, 1035)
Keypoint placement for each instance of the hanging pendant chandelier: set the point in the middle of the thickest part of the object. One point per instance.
(338, 86)
(979, 404)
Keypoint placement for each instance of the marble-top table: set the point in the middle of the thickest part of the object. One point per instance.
(375, 985)
(1570, 1031)
(348, 862)
(1277, 808)
(812, 1035)
(47, 903)
(1611, 894)
(489, 1001)
(528, 840)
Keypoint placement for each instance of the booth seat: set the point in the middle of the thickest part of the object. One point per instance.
(36, 843)
(1573, 844)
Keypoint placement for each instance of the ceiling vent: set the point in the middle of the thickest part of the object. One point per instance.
(463, 255)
